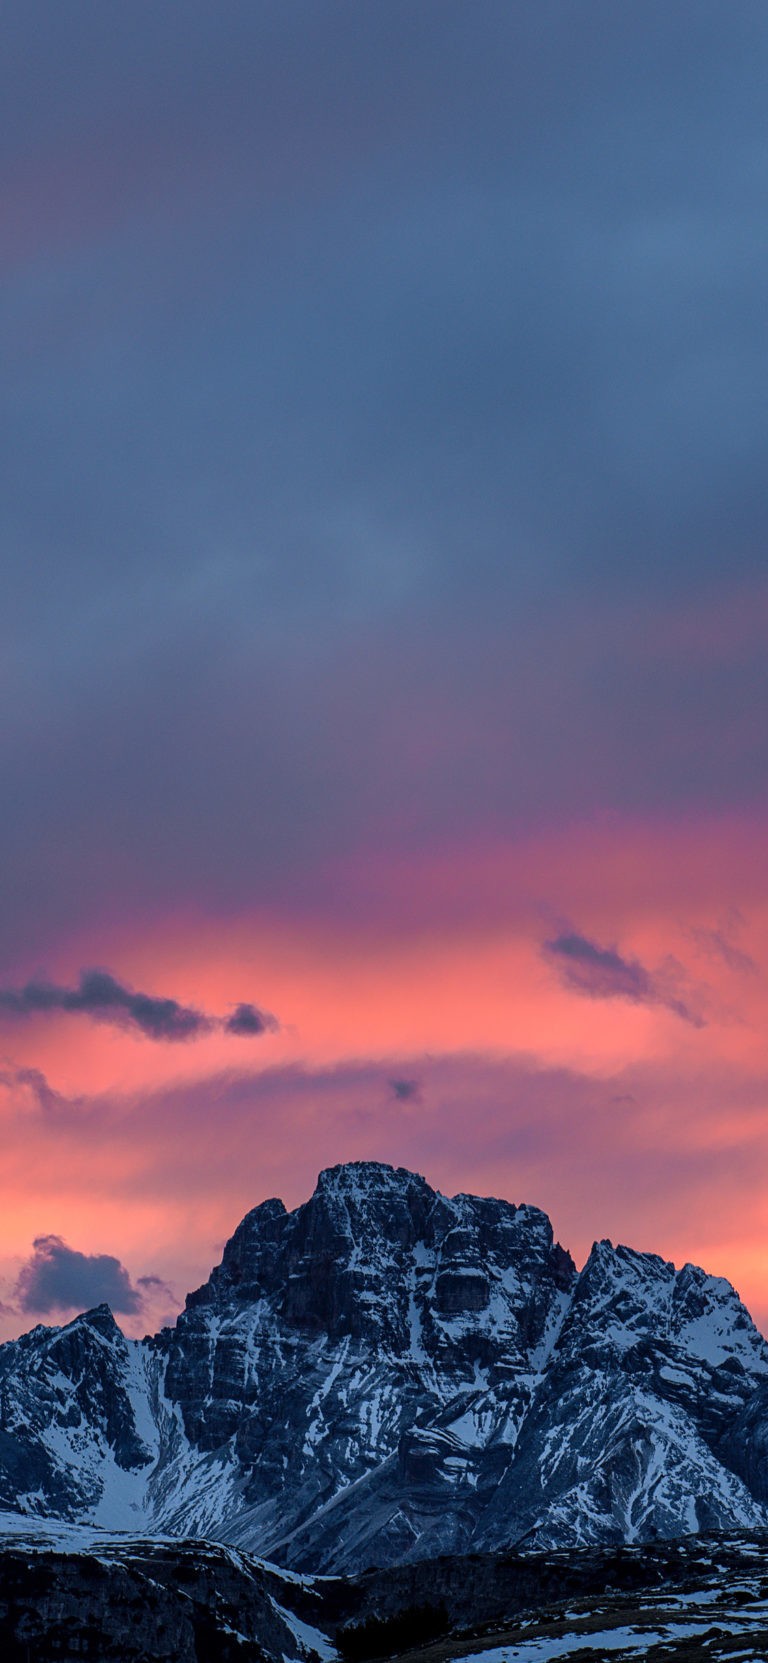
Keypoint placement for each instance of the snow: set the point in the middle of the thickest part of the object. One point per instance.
(310, 1639)
(675, 1376)
(316, 1427)
(415, 1330)
(559, 1310)
(676, 1622)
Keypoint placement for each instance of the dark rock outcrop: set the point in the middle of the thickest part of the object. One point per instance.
(74, 1593)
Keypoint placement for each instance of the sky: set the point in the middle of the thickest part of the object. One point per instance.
(383, 644)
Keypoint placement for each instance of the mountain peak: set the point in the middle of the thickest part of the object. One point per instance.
(642, 1297)
(366, 1175)
(102, 1318)
(386, 1372)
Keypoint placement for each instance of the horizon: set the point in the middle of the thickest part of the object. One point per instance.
(132, 1329)
(384, 520)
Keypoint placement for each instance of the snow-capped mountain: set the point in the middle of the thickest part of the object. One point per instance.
(386, 1374)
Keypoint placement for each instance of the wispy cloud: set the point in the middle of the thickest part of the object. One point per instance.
(152, 1286)
(603, 973)
(718, 944)
(102, 997)
(33, 1082)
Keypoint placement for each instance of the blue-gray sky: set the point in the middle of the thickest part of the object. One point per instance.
(359, 356)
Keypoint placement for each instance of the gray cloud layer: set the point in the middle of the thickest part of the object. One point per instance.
(101, 996)
(357, 337)
(602, 973)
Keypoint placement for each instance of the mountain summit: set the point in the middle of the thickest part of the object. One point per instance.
(385, 1374)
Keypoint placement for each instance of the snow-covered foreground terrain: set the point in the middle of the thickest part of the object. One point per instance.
(386, 1374)
(70, 1590)
(715, 1623)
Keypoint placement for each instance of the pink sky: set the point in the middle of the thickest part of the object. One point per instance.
(618, 1117)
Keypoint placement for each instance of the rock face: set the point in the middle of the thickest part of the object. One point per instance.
(386, 1374)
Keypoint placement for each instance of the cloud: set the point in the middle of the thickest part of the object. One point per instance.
(718, 945)
(406, 1091)
(248, 1019)
(153, 1287)
(602, 973)
(59, 1278)
(100, 996)
(33, 1080)
(487, 260)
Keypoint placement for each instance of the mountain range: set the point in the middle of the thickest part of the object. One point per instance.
(386, 1374)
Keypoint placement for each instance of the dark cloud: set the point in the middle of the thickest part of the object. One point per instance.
(602, 973)
(249, 1020)
(101, 996)
(406, 1091)
(59, 1278)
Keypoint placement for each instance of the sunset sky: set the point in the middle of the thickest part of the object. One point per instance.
(384, 530)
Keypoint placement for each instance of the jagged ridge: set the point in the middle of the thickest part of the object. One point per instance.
(385, 1374)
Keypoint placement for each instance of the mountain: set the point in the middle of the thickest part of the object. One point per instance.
(386, 1374)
